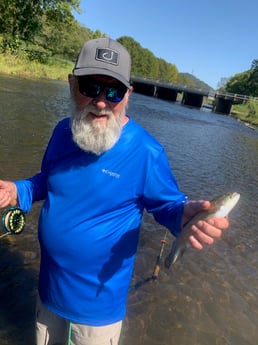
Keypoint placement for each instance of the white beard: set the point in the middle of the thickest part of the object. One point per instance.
(95, 136)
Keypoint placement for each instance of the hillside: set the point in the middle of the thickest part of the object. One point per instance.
(196, 82)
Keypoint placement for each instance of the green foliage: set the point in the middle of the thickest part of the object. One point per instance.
(10, 44)
(252, 108)
(192, 81)
(56, 68)
(247, 112)
(35, 53)
(238, 83)
(62, 39)
(245, 83)
(145, 64)
(21, 20)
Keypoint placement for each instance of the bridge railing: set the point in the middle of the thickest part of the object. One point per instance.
(232, 96)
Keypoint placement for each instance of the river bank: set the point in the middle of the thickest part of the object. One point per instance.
(58, 69)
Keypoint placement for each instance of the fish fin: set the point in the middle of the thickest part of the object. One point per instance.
(172, 257)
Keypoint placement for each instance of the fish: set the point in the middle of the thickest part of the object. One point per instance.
(220, 207)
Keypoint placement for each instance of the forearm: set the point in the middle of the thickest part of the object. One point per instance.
(171, 217)
(31, 190)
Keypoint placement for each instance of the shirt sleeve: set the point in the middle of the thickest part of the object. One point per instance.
(31, 190)
(162, 197)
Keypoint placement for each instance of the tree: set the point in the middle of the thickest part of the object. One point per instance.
(21, 20)
(254, 65)
(167, 71)
(253, 78)
(64, 39)
(145, 64)
(238, 83)
(134, 49)
(245, 83)
(222, 83)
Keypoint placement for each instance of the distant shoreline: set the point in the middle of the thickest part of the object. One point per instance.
(59, 70)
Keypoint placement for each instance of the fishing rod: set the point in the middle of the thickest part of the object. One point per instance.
(159, 257)
(156, 269)
(13, 220)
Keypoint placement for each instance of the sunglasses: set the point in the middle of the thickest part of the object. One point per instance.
(91, 88)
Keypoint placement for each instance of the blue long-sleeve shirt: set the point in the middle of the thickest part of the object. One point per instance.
(90, 219)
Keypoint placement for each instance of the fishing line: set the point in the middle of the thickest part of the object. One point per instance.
(13, 221)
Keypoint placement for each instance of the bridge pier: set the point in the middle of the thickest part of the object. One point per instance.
(166, 93)
(222, 105)
(192, 99)
(143, 88)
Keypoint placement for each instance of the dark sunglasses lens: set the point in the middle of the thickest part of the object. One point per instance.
(114, 94)
(89, 89)
(92, 89)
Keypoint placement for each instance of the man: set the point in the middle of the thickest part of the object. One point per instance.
(98, 174)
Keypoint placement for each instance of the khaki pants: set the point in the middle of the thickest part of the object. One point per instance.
(52, 329)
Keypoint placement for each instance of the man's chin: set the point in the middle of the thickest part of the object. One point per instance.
(96, 133)
(98, 140)
(99, 125)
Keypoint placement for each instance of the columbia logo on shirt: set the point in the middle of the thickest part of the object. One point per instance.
(111, 173)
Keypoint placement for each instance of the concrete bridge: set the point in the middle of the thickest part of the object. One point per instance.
(193, 97)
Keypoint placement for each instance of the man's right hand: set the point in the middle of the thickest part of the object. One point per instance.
(8, 194)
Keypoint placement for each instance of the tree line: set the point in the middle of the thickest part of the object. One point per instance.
(42, 29)
(245, 83)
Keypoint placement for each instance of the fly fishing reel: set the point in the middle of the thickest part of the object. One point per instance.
(13, 221)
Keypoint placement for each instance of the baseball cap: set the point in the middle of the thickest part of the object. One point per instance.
(104, 56)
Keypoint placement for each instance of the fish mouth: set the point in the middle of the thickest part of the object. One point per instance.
(236, 195)
(234, 198)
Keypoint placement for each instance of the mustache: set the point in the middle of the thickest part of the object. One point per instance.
(83, 113)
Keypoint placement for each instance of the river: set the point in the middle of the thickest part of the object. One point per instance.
(208, 297)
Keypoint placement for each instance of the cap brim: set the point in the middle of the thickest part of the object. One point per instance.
(79, 72)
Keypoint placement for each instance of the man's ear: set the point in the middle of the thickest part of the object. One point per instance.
(71, 80)
(130, 90)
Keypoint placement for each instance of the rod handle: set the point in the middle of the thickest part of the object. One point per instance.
(156, 272)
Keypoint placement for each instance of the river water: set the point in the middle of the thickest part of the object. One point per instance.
(209, 297)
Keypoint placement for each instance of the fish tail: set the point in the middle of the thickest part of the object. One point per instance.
(175, 253)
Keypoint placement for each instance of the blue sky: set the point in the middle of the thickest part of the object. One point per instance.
(209, 39)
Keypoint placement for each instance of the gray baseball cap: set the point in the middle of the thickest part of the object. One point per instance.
(104, 56)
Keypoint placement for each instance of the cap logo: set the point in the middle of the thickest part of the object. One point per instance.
(107, 55)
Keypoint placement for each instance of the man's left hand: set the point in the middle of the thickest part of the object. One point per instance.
(203, 232)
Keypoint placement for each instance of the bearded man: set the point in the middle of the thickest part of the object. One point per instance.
(99, 172)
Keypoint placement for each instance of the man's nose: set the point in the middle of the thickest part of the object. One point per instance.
(100, 101)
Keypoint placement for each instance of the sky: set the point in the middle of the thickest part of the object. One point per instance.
(209, 39)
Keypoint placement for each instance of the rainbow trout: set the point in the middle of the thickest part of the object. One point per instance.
(221, 206)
